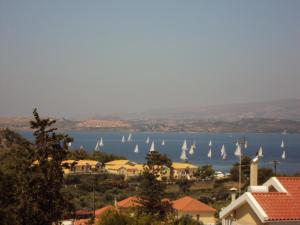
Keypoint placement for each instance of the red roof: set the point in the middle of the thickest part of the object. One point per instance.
(281, 205)
(99, 212)
(189, 204)
(128, 202)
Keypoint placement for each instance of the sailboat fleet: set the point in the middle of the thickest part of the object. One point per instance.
(190, 150)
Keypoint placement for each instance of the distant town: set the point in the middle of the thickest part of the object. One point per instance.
(260, 125)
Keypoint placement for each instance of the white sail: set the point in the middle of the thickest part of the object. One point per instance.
(223, 150)
(123, 139)
(260, 152)
(69, 144)
(191, 152)
(283, 154)
(148, 140)
(101, 142)
(210, 143)
(136, 149)
(163, 143)
(238, 151)
(184, 146)
(246, 144)
(81, 147)
(209, 155)
(183, 155)
(224, 156)
(236, 143)
(152, 148)
(97, 147)
(282, 144)
(129, 139)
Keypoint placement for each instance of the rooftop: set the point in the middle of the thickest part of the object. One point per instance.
(189, 204)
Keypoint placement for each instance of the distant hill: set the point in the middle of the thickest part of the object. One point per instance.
(280, 109)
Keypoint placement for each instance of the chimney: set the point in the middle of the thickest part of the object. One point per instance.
(233, 194)
(253, 171)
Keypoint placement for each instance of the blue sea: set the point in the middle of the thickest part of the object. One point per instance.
(173, 142)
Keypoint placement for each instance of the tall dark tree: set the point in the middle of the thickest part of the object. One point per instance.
(152, 189)
(51, 150)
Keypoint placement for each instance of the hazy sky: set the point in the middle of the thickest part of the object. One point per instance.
(72, 58)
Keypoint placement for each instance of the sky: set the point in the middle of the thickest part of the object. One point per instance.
(72, 58)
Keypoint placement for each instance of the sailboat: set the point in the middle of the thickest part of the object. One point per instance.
(69, 144)
(209, 155)
(136, 149)
(163, 143)
(238, 151)
(129, 139)
(210, 143)
(152, 148)
(246, 144)
(183, 156)
(224, 156)
(148, 140)
(123, 139)
(184, 146)
(260, 152)
(191, 152)
(282, 144)
(283, 154)
(101, 142)
(223, 151)
(97, 147)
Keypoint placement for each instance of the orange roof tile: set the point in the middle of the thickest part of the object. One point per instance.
(280, 205)
(189, 204)
(128, 202)
(104, 209)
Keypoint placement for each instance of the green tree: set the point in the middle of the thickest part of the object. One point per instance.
(186, 220)
(152, 190)
(234, 171)
(184, 185)
(205, 172)
(50, 151)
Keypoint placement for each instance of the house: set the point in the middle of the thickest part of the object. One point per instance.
(124, 167)
(127, 203)
(196, 209)
(183, 170)
(82, 166)
(276, 202)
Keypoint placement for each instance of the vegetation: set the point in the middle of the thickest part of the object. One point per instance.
(31, 178)
(151, 198)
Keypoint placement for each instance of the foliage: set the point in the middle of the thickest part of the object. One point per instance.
(205, 172)
(184, 185)
(152, 190)
(50, 151)
(187, 220)
(264, 174)
(234, 171)
(31, 177)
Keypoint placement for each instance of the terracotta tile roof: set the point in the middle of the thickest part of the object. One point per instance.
(104, 209)
(189, 204)
(128, 202)
(280, 205)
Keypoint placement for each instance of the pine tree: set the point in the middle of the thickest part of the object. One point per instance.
(152, 190)
(51, 150)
